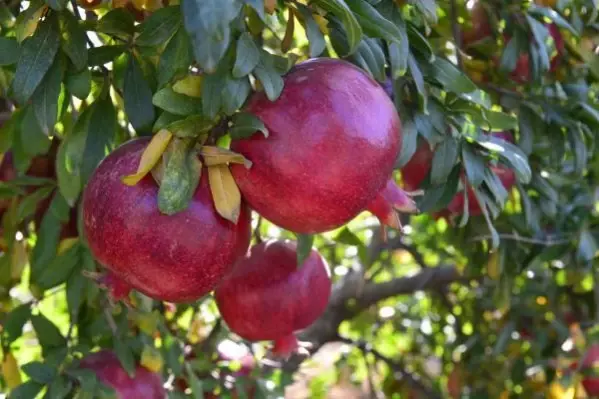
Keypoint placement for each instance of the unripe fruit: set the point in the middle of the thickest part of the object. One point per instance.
(174, 258)
(334, 135)
(108, 369)
(267, 297)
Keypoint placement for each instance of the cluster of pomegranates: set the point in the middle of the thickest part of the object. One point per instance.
(481, 30)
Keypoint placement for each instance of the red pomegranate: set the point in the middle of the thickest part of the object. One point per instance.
(481, 25)
(590, 362)
(144, 385)
(267, 297)
(415, 171)
(334, 135)
(173, 258)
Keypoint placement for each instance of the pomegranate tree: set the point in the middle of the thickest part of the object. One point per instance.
(268, 297)
(144, 385)
(415, 171)
(174, 258)
(334, 135)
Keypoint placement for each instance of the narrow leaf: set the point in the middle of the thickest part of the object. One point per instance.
(138, 97)
(150, 157)
(304, 247)
(245, 124)
(225, 193)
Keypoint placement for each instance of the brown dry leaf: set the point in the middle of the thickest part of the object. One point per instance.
(214, 156)
(10, 371)
(270, 5)
(150, 157)
(225, 193)
(288, 38)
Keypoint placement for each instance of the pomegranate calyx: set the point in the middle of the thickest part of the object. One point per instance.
(117, 289)
(390, 200)
(286, 346)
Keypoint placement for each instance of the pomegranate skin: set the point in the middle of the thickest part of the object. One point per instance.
(176, 258)
(108, 369)
(267, 297)
(334, 135)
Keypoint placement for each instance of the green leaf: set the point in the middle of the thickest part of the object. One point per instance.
(499, 121)
(445, 157)
(105, 54)
(74, 42)
(195, 384)
(28, 390)
(408, 143)
(495, 186)
(180, 180)
(212, 94)
(474, 165)
(554, 16)
(191, 126)
(37, 55)
(315, 37)
(234, 94)
(245, 124)
(176, 103)
(510, 153)
(247, 56)
(428, 8)
(207, 22)
(271, 80)
(45, 100)
(540, 34)
(100, 133)
(449, 76)
(118, 22)
(28, 205)
(57, 5)
(159, 27)
(373, 23)
(60, 268)
(438, 197)
(60, 388)
(175, 59)
(14, 322)
(125, 355)
(419, 82)
(304, 247)
(39, 372)
(137, 95)
(34, 140)
(352, 27)
(69, 159)
(483, 206)
(510, 55)
(79, 84)
(9, 51)
(47, 333)
(419, 44)
(579, 149)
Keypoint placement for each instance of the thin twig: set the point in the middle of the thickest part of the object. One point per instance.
(413, 380)
(456, 33)
(515, 237)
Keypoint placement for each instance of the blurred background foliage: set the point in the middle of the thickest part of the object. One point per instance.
(495, 305)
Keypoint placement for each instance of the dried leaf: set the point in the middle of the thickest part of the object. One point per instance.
(150, 157)
(225, 193)
(214, 156)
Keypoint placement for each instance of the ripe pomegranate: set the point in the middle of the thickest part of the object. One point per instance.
(267, 297)
(590, 362)
(415, 171)
(334, 135)
(108, 369)
(481, 26)
(173, 258)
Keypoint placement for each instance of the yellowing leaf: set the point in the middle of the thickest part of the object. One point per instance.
(288, 39)
(65, 244)
(225, 193)
(150, 157)
(270, 5)
(191, 86)
(322, 23)
(557, 391)
(493, 266)
(214, 156)
(151, 359)
(19, 259)
(26, 28)
(10, 371)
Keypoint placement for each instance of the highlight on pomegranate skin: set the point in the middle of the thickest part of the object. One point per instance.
(144, 385)
(268, 297)
(334, 135)
(175, 258)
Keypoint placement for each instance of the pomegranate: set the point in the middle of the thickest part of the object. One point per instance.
(415, 171)
(334, 135)
(173, 258)
(144, 385)
(591, 361)
(267, 297)
(481, 26)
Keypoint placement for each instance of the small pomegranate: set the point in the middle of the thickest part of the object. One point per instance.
(415, 171)
(267, 297)
(144, 385)
(590, 362)
(334, 135)
(175, 258)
